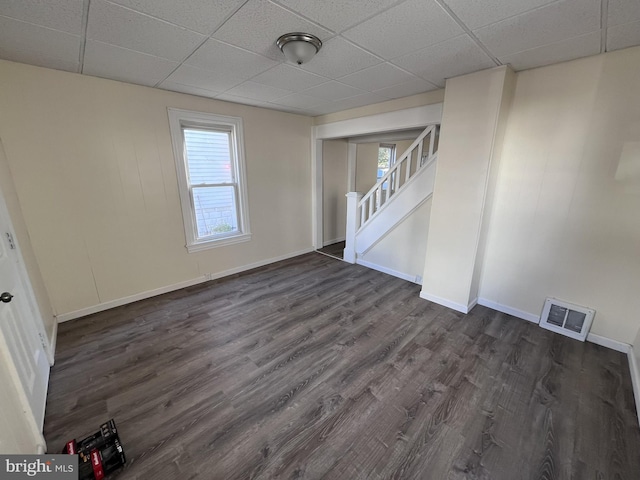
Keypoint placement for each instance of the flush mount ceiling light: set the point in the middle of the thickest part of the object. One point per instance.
(299, 47)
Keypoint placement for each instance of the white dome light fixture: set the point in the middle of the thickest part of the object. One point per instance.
(299, 47)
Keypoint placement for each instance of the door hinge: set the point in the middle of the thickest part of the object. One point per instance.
(12, 244)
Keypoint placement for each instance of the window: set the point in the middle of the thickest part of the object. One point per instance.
(386, 158)
(209, 154)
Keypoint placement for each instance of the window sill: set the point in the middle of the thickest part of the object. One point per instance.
(218, 242)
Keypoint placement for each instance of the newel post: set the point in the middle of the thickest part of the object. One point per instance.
(353, 223)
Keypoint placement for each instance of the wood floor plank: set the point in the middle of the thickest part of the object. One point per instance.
(313, 368)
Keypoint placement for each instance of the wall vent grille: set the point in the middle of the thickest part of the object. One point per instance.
(566, 318)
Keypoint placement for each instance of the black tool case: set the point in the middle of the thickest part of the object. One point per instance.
(99, 454)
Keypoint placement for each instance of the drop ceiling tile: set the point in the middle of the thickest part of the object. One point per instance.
(623, 36)
(333, 91)
(108, 61)
(218, 81)
(329, 107)
(289, 77)
(63, 15)
(214, 55)
(299, 100)
(552, 23)
(575, 47)
(410, 26)
(202, 16)
(284, 109)
(116, 25)
(242, 100)
(377, 77)
(259, 23)
(478, 14)
(352, 102)
(189, 89)
(361, 100)
(41, 46)
(412, 87)
(623, 11)
(258, 91)
(448, 59)
(337, 14)
(338, 58)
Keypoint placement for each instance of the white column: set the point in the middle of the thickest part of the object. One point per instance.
(476, 111)
(353, 223)
(351, 167)
(316, 195)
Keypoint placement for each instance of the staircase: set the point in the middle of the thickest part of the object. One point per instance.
(408, 183)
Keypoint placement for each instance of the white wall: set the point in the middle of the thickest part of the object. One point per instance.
(334, 190)
(473, 112)
(95, 176)
(402, 250)
(566, 217)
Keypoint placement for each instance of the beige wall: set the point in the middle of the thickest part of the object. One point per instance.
(94, 171)
(334, 190)
(470, 120)
(366, 166)
(367, 162)
(566, 219)
(403, 249)
(401, 146)
(7, 189)
(428, 98)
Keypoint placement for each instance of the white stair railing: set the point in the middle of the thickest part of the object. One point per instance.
(362, 209)
(399, 174)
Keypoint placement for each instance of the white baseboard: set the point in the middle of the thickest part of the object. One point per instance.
(609, 343)
(459, 307)
(335, 240)
(53, 341)
(509, 310)
(592, 337)
(635, 379)
(65, 317)
(389, 271)
(472, 304)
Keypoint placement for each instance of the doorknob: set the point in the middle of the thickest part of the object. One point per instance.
(5, 297)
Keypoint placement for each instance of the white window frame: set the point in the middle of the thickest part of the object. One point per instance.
(178, 121)
(392, 156)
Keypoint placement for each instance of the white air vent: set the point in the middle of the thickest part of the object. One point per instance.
(571, 320)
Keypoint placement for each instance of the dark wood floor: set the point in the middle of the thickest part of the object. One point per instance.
(335, 250)
(313, 368)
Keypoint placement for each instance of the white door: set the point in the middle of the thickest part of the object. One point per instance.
(18, 430)
(23, 343)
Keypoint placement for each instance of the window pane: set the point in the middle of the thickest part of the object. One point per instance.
(208, 156)
(385, 159)
(215, 210)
